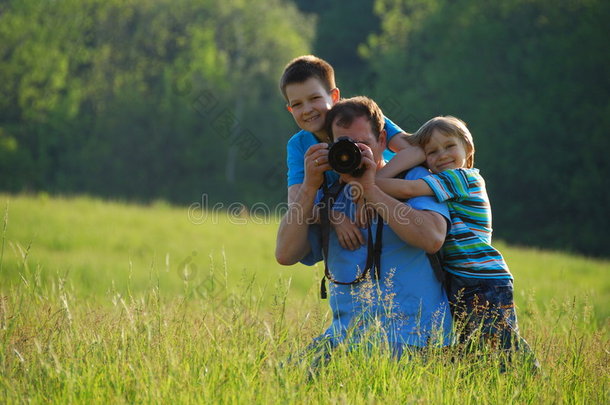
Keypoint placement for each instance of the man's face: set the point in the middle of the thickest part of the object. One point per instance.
(360, 131)
(308, 102)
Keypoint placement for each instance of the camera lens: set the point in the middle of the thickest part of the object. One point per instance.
(344, 156)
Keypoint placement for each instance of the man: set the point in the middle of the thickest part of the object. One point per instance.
(402, 299)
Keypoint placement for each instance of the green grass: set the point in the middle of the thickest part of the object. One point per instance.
(108, 302)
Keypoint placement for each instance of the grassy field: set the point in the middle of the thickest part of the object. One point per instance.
(109, 302)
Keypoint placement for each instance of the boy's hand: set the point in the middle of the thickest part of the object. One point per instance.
(348, 233)
(408, 157)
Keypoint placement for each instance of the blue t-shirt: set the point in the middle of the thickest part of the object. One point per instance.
(408, 300)
(467, 251)
(303, 140)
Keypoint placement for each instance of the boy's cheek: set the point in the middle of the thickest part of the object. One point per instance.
(292, 112)
(326, 110)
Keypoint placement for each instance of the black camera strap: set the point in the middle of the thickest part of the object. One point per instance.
(373, 255)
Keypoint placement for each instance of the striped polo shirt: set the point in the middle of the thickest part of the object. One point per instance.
(467, 251)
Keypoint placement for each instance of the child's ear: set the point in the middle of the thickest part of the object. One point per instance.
(335, 95)
(469, 157)
(470, 161)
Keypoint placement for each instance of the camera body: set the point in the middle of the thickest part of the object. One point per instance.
(344, 156)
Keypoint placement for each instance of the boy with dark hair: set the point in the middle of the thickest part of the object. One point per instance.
(304, 67)
(308, 85)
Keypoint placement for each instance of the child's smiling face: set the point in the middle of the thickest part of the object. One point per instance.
(444, 152)
(308, 102)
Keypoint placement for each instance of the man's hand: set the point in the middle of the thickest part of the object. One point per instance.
(316, 163)
(348, 233)
(292, 243)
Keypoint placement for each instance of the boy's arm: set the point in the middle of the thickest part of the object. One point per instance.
(398, 142)
(449, 185)
(420, 225)
(407, 156)
(403, 189)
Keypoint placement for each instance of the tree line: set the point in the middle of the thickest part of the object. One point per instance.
(174, 100)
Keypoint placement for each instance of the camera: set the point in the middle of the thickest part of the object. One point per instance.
(344, 156)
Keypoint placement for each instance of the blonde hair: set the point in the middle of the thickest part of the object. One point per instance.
(450, 126)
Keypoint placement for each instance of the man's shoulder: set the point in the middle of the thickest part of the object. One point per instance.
(416, 173)
(427, 203)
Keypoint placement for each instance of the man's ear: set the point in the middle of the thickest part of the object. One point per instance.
(335, 95)
(383, 139)
(288, 108)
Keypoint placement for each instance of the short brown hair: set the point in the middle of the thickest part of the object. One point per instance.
(450, 126)
(305, 67)
(348, 109)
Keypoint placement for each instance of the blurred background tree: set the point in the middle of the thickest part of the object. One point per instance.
(171, 100)
(530, 79)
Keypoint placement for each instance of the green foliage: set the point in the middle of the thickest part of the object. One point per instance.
(177, 99)
(147, 99)
(340, 30)
(528, 77)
